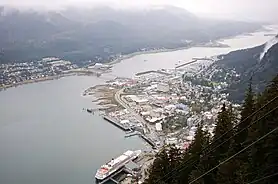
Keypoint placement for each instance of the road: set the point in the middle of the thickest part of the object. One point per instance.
(124, 104)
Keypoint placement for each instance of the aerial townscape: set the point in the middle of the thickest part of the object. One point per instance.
(13, 74)
(164, 107)
(138, 92)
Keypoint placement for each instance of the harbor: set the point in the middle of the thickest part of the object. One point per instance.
(117, 124)
(130, 131)
(127, 166)
(120, 175)
(145, 138)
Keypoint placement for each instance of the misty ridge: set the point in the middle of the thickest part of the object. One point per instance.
(100, 33)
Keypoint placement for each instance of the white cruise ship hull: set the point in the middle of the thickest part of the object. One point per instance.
(102, 176)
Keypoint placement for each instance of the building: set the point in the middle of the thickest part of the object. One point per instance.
(162, 87)
(158, 127)
(125, 122)
(138, 100)
(100, 66)
(172, 140)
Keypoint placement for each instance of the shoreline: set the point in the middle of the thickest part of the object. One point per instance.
(131, 55)
(218, 42)
(2, 88)
(128, 56)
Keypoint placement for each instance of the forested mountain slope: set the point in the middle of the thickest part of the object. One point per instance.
(249, 63)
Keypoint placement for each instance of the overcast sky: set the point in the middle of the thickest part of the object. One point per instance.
(247, 9)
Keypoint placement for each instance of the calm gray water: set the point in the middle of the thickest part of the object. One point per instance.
(46, 138)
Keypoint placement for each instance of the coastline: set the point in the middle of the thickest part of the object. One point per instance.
(36, 80)
(218, 41)
(118, 60)
(215, 44)
(128, 56)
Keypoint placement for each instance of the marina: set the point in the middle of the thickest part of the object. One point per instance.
(117, 124)
(130, 131)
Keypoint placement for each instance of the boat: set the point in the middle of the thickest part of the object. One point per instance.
(89, 110)
(115, 164)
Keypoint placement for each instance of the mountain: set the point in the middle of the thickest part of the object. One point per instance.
(259, 63)
(86, 34)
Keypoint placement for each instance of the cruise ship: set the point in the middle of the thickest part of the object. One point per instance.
(115, 164)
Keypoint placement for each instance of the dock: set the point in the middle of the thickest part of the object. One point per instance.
(193, 61)
(152, 71)
(182, 65)
(111, 178)
(132, 133)
(203, 59)
(148, 140)
(117, 124)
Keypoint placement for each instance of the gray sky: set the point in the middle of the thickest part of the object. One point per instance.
(246, 9)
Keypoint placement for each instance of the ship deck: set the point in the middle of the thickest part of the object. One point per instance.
(112, 177)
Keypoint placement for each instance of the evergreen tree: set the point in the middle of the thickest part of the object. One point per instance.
(224, 124)
(234, 171)
(166, 162)
(174, 157)
(218, 150)
(264, 154)
(199, 141)
(186, 162)
(201, 164)
(159, 168)
(247, 110)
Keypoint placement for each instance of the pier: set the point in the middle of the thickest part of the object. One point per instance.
(111, 178)
(182, 65)
(131, 134)
(117, 124)
(203, 59)
(152, 71)
(193, 61)
(148, 140)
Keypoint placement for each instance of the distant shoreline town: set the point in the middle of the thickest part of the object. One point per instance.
(15, 74)
(50, 68)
